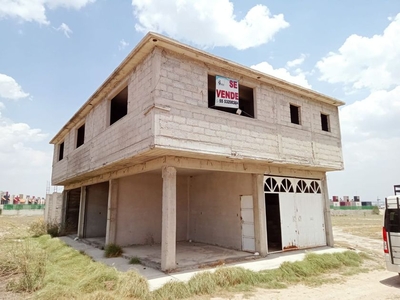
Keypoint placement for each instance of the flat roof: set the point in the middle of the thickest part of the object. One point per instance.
(146, 46)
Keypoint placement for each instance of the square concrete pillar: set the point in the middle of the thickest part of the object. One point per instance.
(111, 230)
(168, 234)
(81, 219)
(260, 224)
(327, 213)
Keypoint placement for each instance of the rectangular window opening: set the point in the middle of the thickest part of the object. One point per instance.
(61, 151)
(119, 106)
(325, 122)
(246, 99)
(295, 114)
(80, 139)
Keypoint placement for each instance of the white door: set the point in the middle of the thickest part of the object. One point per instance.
(301, 205)
(247, 218)
(288, 221)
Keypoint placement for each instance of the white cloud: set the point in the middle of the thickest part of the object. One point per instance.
(10, 89)
(25, 169)
(299, 78)
(208, 23)
(366, 62)
(65, 29)
(371, 139)
(296, 62)
(35, 10)
(377, 116)
(122, 44)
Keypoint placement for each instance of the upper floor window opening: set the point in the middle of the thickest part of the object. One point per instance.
(245, 95)
(295, 114)
(61, 151)
(325, 126)
(80, 136)
(119, 106)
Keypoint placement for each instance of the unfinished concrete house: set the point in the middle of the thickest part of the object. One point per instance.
(180, 150)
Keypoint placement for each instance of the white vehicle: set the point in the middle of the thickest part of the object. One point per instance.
(391, 231)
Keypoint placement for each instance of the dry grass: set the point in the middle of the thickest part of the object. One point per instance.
(52, 270)
(369, 226)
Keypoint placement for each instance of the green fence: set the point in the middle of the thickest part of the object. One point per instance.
(22, 206)
(352, 207)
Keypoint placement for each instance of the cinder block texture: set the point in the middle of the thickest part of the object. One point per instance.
(168, 110)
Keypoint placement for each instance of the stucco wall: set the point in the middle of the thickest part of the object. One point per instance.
(106, 144)
(191, 126)
(96, 210)
(215, 208)
(139, 215)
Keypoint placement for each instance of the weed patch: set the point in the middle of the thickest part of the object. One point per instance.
(112, 250)
(30, 267)
(135, 261)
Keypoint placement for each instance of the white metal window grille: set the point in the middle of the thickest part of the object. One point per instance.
(270, 185)
(291, 185)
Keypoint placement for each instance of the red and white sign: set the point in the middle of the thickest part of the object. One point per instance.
(226, 92)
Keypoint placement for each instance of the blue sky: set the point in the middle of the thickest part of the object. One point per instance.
(55, 53)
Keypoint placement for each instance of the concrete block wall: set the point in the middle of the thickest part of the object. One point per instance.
(191, 126)
(139, 214)
(53, 209)
(215, 208)
(106, 144)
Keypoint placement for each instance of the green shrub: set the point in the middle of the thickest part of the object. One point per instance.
(53, 229)
(112, 250)
(135, 261)
(375, 210)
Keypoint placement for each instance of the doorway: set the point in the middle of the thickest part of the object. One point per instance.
(96, 210)
(72, 211)
(274, 231)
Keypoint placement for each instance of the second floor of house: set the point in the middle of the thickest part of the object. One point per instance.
(172, 101)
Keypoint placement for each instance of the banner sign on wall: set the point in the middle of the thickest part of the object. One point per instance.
(226, 92)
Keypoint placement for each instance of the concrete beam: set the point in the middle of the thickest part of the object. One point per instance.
(260, 224)
(150, 165)
(111, 230)
(240, 167)
(168, 235)
(199, 164)
(327, 213)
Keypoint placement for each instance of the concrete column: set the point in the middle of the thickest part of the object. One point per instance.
(81, 219)
(327, 212)
(260, 224)
(62, 217)
(112, 211)
(168, 235)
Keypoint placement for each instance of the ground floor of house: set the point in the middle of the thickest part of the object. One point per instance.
(171, 208)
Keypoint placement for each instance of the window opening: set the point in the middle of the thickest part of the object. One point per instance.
(246, 99)
(61, 151)
(80, 136)
(295, 114)
(119, 106)
(325, 122)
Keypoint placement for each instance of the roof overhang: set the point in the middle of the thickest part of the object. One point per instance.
(146, 46)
